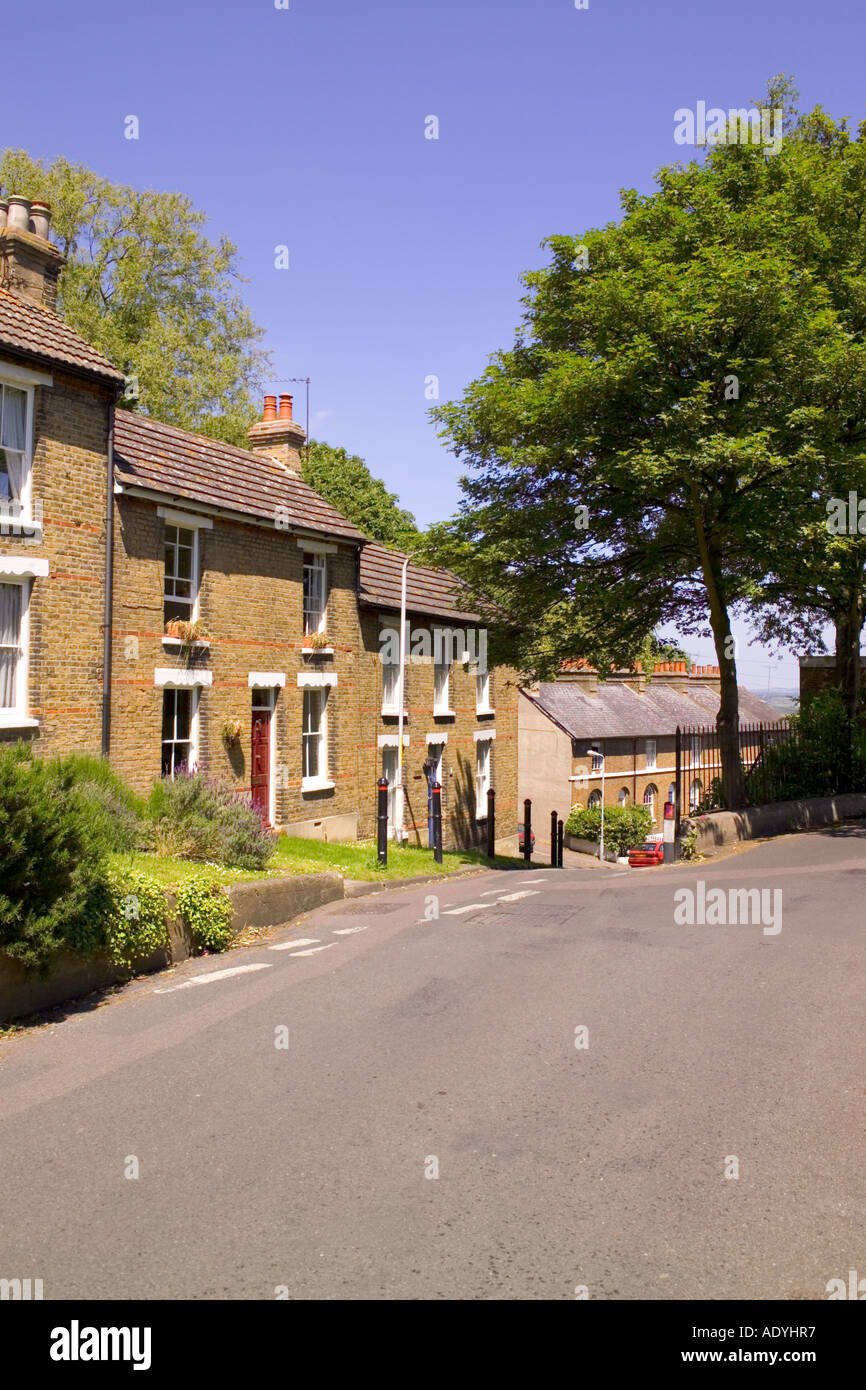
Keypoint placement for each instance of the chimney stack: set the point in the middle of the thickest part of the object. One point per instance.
(279, 437)
(30, 264)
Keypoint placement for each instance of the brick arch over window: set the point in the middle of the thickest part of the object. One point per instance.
(650, 798)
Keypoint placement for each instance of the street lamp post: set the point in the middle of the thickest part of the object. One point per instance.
(596, 753)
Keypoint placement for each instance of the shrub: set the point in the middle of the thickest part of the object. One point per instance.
(814, 759)
(127, 916)
(112, 808)
(52, 859)
(207, 911)
(198, 819)
(624, 826)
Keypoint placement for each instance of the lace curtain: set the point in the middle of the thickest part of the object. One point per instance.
(10, 626)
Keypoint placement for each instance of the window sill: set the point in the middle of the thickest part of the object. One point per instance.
(201, 642)
(444, 714)
(17, 721)
(316, 784)
(480, 713)
(394, 714)
(317, 651)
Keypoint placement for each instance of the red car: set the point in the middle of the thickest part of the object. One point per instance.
(646, 855)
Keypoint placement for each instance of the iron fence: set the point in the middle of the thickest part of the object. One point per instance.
(698, 785)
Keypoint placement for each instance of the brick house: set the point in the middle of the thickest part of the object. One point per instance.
(114, 527)
(631, 719)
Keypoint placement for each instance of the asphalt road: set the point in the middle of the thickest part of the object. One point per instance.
(417, 1046)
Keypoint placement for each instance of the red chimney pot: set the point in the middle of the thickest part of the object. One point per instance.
(285, 406)
(270, 408)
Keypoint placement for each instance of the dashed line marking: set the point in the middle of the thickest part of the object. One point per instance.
(513, 897)
(470, 907)
(215, 975)
(349, 931)
(290, 945)
(314, 951)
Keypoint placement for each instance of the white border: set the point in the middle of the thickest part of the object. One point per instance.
(266, 679)
(172, 676)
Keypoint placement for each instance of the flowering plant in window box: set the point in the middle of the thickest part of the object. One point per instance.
(188, 631)
(317, 640)
(231, 731)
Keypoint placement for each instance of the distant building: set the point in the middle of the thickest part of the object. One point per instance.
(631, 719)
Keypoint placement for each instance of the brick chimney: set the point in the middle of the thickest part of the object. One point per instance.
(708, 676)
(29, 263)
(673, 673)
(278, 436)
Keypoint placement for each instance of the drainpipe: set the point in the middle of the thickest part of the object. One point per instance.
(399, 806)
(109, 589)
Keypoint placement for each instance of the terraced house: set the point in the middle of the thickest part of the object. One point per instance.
(175, 602)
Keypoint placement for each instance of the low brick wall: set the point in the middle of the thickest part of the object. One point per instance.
(587, 847)
(268, 903)
(780, 818)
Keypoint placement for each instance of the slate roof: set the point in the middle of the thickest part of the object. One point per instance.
(33, 331)
(429, 591)
(617, 711)
(185, 466)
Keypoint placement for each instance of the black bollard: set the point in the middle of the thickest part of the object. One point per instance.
(436, 793)
(491, 823)
(527, 831)
(553, 849)
(560, 839)
(382, 820)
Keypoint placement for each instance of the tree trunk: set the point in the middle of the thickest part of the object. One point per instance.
(728, 717)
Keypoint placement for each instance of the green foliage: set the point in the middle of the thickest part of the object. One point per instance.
(127, 917)
(146, 286)
(815, 759)
(52, 859)
(624, 826)
(655, 649)
(195, 818)
(111, 807)
(686, 385)
(207, 912)
(346, 482)
(689, 845)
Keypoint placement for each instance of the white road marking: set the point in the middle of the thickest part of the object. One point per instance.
(215, 975)
(513, 897)
(349, 931)
(533, 880)
(314, 950)
(290, 945)
(470, 907)
(491, 892)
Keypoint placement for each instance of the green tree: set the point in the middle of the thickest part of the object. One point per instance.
(346, 482)
(146, 286)
(662, 405)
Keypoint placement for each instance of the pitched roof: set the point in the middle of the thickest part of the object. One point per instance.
(430, 591)
(163, 458)
(616, 710)
(37, 332)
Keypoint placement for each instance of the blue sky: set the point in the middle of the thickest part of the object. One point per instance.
(305, 127)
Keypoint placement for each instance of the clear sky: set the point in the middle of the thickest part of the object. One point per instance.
(305, 126)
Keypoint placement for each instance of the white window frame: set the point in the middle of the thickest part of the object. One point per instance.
(594, 799)
(23, 521)
(483, 756)
(194, 574)
(16, 717)
(322, 780)
(650, 754)
(193, 723)
(623, 797)
(391, 688)
(320, 563)
(441, 688)
(482, 693)
(437, 759)
(390, 758)
(597, 761)
(652, 801)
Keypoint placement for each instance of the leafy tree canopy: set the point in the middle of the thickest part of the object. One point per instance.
(146, 286)
(681, 382)
(346, 482)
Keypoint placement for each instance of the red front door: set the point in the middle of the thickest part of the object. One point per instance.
(260, 781)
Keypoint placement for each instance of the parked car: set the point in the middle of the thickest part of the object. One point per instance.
(646, 855)
(521, 839)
